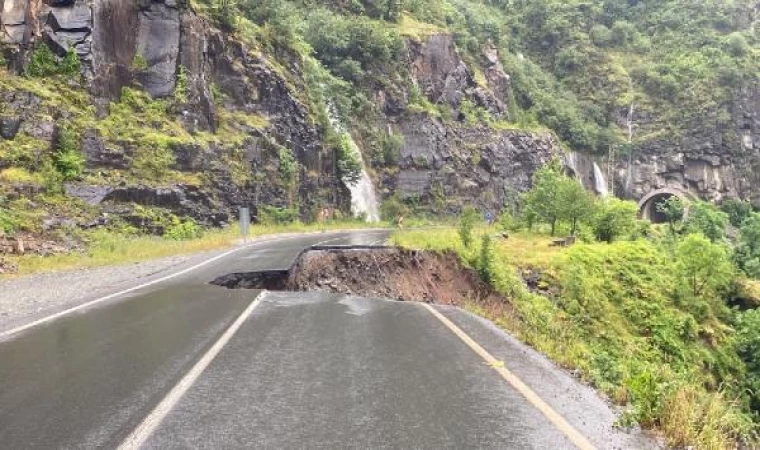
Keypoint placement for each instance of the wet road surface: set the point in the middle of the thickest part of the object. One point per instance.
(303, 370)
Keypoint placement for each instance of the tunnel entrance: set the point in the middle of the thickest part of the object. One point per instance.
(652, 212)
(648, 204)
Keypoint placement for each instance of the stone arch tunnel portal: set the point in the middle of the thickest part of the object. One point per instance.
(648, 204)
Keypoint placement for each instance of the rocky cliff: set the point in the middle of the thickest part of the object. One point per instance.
(171, 113)
(173, 116)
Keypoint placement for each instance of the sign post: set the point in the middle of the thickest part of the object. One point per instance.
(245, 223)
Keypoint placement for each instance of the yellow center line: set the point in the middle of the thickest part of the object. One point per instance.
(554, 417)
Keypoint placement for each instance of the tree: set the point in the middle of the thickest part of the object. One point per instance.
(673, 209)
(706, 219)
(225, 13)
(575, 204)
(737, 211)
(614, 218)
(748, 348)
(705, 267)
(543, 198)
(747, 254)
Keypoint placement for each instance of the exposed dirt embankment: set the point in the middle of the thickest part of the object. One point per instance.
(381, 272)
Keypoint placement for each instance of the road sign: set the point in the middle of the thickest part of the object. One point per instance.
(245, 222)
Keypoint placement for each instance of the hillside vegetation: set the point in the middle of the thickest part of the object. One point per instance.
(577, 67)
(662, 319)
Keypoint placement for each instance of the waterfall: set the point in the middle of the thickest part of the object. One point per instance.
(571, 161)
(363, 196)
(600, 184)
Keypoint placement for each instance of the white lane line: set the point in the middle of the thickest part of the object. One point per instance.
(52, 317)
(143, 431)
(562, 425)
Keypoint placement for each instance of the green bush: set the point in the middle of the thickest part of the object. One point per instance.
(68, 159)
(269, 215)
(737, 210)
(706, 219)
(392, 208)
(747, 252)
(467, 222)
(44, 63)
(8, 221)
(225, 14)
(349, 161)
(180, 230)
(673, 209)
(486, 263)
(614, 219)
(748, 347)
(288, 166)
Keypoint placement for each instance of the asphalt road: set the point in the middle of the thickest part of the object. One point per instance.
(183, 364)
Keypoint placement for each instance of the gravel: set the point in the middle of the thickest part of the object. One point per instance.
(28, 298)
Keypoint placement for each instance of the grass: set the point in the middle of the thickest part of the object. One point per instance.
(107, 248)
(411, 28)
(614, 313)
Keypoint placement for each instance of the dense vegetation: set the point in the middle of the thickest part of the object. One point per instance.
(661, 318)
(577, 67)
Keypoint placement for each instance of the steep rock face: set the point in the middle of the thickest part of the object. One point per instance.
(442, 75)
(714, 163)
(450, 167)
(154, 45)
(445, 164)
(230, 113)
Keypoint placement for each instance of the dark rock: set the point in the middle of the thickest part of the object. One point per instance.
(78, 17)
(93, 195)
(9, 127)
(97, 155)
(158, 38)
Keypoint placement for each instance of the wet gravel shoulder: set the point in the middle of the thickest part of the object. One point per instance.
(29, 298)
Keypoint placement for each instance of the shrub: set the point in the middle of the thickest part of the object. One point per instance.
(392, 208)
(614, 218)
(705, 267)
(673, 209)
(748, 347)
(349, 160)
(180, 230)
(225, 14)
(139, 63)
(288, 167)
(274, 215)
(737, 210)
(737, 45)
(747, 254)
(486, 263)
(601, 35)
(708, 220)
(467, 222)
(42, 63)
(68, 159)
(71, 66)
(8, 221)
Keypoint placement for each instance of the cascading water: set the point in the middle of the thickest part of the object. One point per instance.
(600, 183)
(571, 161)
(363, 196)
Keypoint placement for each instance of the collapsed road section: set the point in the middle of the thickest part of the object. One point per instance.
(382, 272)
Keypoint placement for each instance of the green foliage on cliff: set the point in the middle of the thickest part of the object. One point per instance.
(576, 67)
